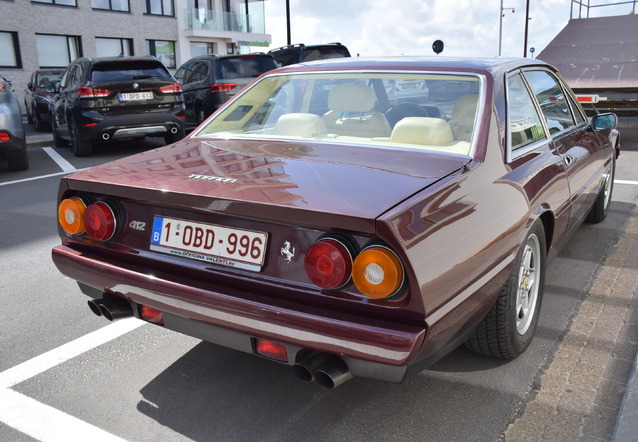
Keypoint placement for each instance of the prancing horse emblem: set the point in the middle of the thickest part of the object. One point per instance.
(289, 254)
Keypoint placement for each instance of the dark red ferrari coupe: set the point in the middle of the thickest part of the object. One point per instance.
(321, 221)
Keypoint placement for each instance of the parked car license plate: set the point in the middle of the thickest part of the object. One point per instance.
(136, 96)
(233, 247)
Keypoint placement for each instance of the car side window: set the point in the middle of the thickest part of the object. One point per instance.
(200, 72)
(552, 100)
(524, 121)
(184, 73)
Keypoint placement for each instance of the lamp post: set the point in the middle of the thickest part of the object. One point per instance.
(500, 26)
(288, 21)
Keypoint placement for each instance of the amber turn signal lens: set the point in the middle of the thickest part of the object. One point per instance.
(71, 215)
(377, 272)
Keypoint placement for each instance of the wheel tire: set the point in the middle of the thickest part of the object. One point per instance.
(508, 328)
(80, 148)
(38, 124)
(600, 209)
(19, 162)
(29, 115)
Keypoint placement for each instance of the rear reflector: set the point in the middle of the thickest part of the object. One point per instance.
(151, 314)
(4, 136)
(271, 350)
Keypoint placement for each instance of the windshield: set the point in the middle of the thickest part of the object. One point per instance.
(433, 111)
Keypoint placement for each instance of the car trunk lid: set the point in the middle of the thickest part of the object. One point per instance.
(341, 186)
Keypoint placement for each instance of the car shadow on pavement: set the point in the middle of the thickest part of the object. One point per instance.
(213, 393)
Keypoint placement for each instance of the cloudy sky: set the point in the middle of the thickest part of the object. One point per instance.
(408, 27)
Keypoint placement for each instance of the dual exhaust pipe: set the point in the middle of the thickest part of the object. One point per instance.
(327, 370)
(111, 308)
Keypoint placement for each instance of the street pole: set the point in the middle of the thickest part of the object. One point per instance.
(500, 26)
(288, 20)
(526, 28)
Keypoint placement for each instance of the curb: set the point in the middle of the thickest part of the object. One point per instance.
(627, 423)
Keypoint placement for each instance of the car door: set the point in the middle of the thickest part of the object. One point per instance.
(63, 99)
(572, 138)
(531, 155)
(192, 76)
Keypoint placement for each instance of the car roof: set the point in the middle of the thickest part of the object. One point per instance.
(95, 60)
(494, 65)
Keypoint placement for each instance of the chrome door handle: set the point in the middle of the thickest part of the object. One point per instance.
(568, 159)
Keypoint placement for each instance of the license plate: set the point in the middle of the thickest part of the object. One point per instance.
(240, 248)
(136, 96)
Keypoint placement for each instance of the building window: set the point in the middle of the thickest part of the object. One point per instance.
(163, 51)
(57, 51)
(57, 2)
(9, 50)
(111, 5)
(113, 47)
(202, 48)
(159, 7)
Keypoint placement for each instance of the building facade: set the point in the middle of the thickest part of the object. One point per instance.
(38, 34)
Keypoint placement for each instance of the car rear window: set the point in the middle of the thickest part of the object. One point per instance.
(244, 67)
(123, 70)
(324, 52)
(435, 111)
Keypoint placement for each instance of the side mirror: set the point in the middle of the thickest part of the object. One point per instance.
(604, 122)
(30, 87)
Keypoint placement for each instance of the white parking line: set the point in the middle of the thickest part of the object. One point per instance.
(632, 183)
(64, 164)
(42, 421)
(46, 423)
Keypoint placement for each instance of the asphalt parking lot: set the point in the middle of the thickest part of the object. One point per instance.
(68, 375)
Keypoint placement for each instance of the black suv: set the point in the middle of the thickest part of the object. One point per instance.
(209, 81)
(101, 99)
(298, 53)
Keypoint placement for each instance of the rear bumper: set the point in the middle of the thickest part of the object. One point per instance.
(96, 127)
(371, 349)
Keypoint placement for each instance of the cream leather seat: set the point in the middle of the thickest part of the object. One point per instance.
(463, 117)
(354, 98)
(301, 125)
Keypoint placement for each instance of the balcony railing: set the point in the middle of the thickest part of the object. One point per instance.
(224, 21)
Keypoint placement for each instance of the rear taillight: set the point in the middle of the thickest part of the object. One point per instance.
(174, 88)
(4, 136)
(99, 221)
(89, 92)
(222, 87)
(328, 263)
(377, 272)
(71, 215)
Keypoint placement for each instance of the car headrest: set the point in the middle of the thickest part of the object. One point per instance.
(351, 97)
(300, 125)
(422, 130)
